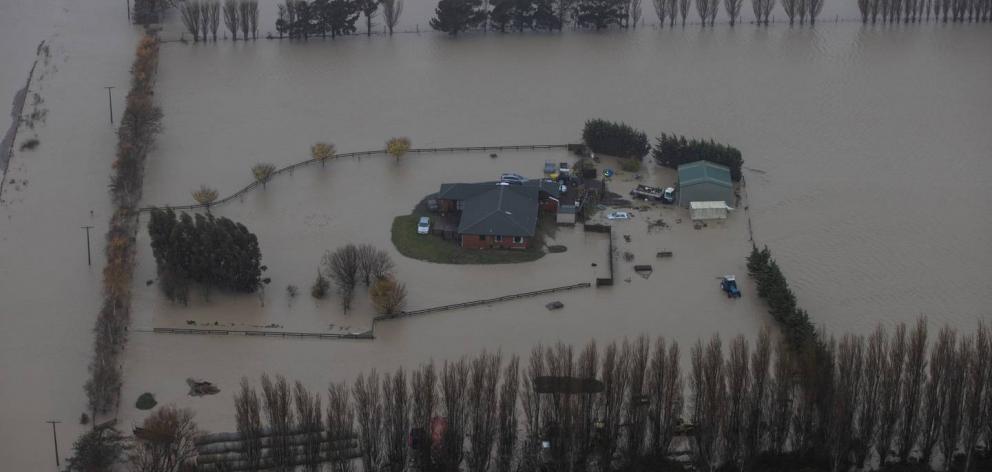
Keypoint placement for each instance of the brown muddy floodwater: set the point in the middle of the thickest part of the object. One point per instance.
(866, 148)
(867, 153)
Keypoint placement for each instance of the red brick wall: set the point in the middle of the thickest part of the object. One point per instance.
(473, 241)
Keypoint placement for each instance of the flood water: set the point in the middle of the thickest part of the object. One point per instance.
(867, 153)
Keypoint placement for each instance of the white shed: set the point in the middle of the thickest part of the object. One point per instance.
(708, 210)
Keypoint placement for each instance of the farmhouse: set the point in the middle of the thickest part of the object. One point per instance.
(704, 181)
(497, 214)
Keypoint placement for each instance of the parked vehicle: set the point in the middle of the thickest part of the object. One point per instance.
(511, 178)
(564, 169)
(549, 167)
(647, 193)
(619, 215)
(668, 196)
(729, 286)
(424, 225)
(608, 173)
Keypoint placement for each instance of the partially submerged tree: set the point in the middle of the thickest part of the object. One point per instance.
(231, 20)
(164, 442)
(247, 409)
(205, 195)
(391, 11)
(456, 16)
(398, 147)
(97, 450)
(322, 152)
(369, 9)
(342, 267)
(262, 172)
(373, 263)
(388, 296)
(190, 12)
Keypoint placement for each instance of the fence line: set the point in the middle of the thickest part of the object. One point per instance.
(308, 162)
(365, 335)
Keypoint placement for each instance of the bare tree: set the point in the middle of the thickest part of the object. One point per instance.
(368, 412)
(635, 12)
(373, 263)
(204, 19)
(665, 387)
(958, 367)
(638, 400)
(684, 10)
(391, 11)
(847, 386)
(673, 10)
(757, 401)
(893, 372)
(738, 377)
(791, 7)
(482, 409)
(277, 401)
(782, 393)
(531, 403)
(342, 267)
(252, 11)
(213, 17)
(814, 9)
(912, 388)
(396, 420)
(340, 424)
(584, 420)
(309, 416)
(615, 373)
(164, 442)
(231, 17)
(703, 9)
(425, 405)
(244, 17)
(863, 7)
(866, 429)
(977, 388)
(935, 393)
(733, 8)
(662, 11)
(506, 443)
(249, 420)
(189, 11)
(454, 384)
(708, 405)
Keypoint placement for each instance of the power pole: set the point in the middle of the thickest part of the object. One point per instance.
(58, 464)
(89, 260)
(110, 102)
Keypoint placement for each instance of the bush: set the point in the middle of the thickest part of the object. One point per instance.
(30, 144)
(320, 287)
(615, 139)
(630, 165)
(388, 295)
(673, 151)
(145, 402)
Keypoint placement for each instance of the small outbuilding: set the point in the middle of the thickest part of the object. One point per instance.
(704, 181)
(708, 211)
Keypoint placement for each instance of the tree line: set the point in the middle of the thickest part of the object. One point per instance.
(203, 250)
(615, 139)
(139, 124)
(910, 11)
(302, 19)
(673, 150)
(202, 18)
(893, 396)
(793, 321)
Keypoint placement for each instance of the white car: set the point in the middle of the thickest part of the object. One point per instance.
(619, 215)
(424, 225)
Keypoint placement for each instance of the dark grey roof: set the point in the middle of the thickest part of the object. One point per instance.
(505, 210)
(469, 190)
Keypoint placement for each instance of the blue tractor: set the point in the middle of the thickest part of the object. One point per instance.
(729, 285)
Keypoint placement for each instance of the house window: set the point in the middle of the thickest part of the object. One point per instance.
(498, 238)
(518, 240)
(482, 237)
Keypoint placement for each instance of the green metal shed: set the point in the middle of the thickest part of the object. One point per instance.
(704, 181)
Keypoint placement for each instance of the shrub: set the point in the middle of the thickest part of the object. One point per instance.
(673, 151)
(615, 139)
(630, 165)
(145, 402)
(388, 295)
(320, 287)
(30, 144)
(397, 147)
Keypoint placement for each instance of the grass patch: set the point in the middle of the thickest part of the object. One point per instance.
(145, 402)
(432, 248)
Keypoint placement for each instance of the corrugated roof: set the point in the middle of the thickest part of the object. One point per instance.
(704, 171)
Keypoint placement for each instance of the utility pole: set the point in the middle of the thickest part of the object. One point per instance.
(89, 260)
(56, 438)
(110, 102)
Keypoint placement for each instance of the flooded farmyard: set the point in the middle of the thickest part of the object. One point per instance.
(865, 155)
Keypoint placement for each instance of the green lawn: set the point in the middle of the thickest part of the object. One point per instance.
(432, 248)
